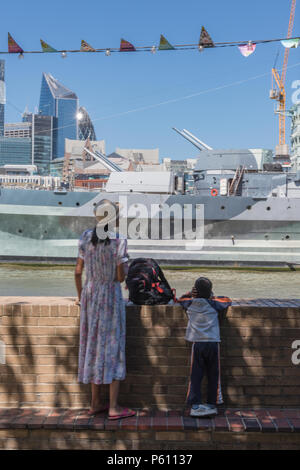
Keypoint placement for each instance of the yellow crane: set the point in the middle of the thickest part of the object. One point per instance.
(278, 93)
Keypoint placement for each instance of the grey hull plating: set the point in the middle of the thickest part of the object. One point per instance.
(45, 226)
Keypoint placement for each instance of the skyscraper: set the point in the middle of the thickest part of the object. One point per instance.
(85, 126)
(2, 96)
(42, 130)
(58, 101)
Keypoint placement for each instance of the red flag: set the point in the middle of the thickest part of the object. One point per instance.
(13, 47)
(126, 46)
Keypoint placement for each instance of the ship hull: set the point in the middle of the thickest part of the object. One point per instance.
(43, 226)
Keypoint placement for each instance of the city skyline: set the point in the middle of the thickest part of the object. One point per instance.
(218, 95)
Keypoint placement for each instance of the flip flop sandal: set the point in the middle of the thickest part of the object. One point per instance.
(126, 413)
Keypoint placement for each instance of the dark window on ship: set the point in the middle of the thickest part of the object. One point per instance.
(249, 208)
(77, 203)
(222, 207)
(20, 230)
(268, 208)
(60, 203)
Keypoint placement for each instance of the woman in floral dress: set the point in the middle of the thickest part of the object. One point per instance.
(102, 313)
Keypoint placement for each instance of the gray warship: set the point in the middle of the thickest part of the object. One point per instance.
(250, 201)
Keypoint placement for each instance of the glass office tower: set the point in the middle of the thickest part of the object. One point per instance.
(42, 130)
(85, 126)
(2, 96)
(58, 101)
(15, 151)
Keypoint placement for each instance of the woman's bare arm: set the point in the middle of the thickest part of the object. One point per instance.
(78, 276)
(120, 274)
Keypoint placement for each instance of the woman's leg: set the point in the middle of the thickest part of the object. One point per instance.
(114, 408)
(97, 403)
(113, 397)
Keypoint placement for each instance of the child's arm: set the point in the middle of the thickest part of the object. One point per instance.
(186, 300)
(220, 304)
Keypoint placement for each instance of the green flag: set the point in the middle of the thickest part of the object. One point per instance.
(46, 47)
(164, 45)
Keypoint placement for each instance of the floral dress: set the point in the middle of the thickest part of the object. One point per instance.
(102, 314)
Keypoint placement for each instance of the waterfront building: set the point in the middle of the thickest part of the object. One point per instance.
(42, 134)
(26, 170)
(85, 126)
(15, 150)
(295, 138)
(58, 101)
(74, 155)
(38, 131)
(17, 130)
(2, 96)
(140, 156)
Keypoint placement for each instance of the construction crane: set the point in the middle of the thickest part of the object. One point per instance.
(278, 93)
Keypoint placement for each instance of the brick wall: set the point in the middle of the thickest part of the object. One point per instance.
(41, 342)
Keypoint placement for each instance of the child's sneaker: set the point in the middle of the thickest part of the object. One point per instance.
(203, 410)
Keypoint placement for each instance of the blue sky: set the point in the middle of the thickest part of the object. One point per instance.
(234, 116)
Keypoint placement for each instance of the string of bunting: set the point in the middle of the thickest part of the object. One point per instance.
(246, 48)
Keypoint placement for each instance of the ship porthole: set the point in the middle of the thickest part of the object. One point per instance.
(268, 208)
(59, 203)
(20, 231)
(249, 208)
(287, 237)
(77, 203)
(222, 207)
(267, 237)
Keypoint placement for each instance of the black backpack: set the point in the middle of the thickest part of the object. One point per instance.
(147, 284)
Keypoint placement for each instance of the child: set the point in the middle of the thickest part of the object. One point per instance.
(204, 332)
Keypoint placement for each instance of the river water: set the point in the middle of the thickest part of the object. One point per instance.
(59, 281)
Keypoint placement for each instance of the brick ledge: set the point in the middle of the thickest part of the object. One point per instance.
(230, 420)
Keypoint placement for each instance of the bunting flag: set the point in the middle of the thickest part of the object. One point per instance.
(247, 49)
(205, 39)
(126, 46)
(85, 47)
(164, 45)
(13, 47)
(291, 43)
(46, 47)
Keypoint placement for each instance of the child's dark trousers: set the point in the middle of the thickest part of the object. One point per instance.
(205, 360)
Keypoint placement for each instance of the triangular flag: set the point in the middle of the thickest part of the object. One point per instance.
(126, 46)
(247, 49)
(205, 39)
(164, 45)
(85, 47)
(13, 47)
(46, 47)
(291, 43)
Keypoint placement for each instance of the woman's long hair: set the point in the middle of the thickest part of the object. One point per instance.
(95, 239)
